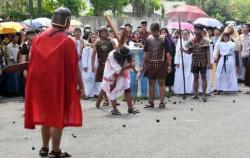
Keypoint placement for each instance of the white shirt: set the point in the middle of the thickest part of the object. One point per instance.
(12, 51)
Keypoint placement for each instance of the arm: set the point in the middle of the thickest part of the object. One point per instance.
(80, 82)
(113, 44)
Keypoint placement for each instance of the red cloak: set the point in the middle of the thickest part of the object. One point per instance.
(52, 98)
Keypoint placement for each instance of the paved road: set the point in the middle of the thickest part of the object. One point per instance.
(219, 128)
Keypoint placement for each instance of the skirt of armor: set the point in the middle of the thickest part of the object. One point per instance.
(157, 70)
(247, 77)
(99, 72)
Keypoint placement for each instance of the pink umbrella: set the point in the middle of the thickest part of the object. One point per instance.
(184, 25)
(186, 13)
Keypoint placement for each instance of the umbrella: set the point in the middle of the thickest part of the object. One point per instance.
(10, 27)
(184, 25)
(186, 12)
(75, 23)
(209, 22)
(43, 21)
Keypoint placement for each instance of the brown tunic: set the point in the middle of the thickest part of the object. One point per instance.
(247, 77)
(200, 53)
(102, 49)
(155, 47)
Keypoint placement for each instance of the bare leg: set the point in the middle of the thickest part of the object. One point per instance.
(99, 99)
(151, 90)
(162, 90)
(204, 84)
(196, 84)
(113, 103)
(45, 136)
(56, 135)
(128, 99)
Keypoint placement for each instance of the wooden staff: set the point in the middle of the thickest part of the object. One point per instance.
(111, 25)
(182, 59)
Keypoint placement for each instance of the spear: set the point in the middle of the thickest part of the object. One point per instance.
(182, 59)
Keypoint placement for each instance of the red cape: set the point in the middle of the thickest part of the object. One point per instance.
(52, 98)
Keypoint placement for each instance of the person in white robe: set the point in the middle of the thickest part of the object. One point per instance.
(92, 88)
(116, 78)
(226, 77)
(178, 87)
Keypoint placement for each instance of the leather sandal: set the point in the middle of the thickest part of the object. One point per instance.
(60, 154)
(44, 152)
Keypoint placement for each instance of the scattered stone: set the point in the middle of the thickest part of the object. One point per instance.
(234, 101)
(180, 102)
(138, 100)
(169, 100)
(33, 148)
(25, 138)
(157, 120)
(13, 122)
(191, 109)
(174, 118)
(141, 102)
(74, 136)
(124, 126)
(174, 102)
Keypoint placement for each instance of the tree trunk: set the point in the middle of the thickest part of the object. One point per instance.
(31, 9)
(39, 8)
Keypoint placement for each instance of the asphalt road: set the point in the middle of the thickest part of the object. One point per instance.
(219, 128)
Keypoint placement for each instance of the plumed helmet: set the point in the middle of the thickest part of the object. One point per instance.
(61, 17)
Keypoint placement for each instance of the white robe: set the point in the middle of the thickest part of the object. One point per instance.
(178, 87)
(226, 79)
(92, 88)
(111, 69)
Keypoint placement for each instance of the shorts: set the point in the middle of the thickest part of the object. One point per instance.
(197, 70)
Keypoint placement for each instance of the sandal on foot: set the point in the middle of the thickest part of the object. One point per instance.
(115, 112)
(44, 152)
(204, 98)
(162, 105)
(149, 105)
(59, 154)
(133, 111)
(105, 103)
(194, 97)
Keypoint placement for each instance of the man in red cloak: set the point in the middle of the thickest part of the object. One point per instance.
(53, 84)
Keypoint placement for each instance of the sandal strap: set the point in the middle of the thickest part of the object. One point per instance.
(162, 105)
(44, 152)
(149, 105)
(60, 154)
(116, 112)
(133, 111)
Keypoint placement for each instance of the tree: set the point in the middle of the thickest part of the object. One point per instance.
(75, 6)
(140, 7)
(100, 6)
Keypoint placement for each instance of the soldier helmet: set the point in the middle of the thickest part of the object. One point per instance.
(61, 17)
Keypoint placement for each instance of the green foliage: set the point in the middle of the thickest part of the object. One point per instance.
(76, 6)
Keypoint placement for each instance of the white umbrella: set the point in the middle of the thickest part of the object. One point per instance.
(43, 21)
(209, 22)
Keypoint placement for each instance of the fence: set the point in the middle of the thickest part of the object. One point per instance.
(96, 21)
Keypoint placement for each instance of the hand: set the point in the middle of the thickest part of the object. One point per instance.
(82, 92)
(25, 73)
(210, 66)
(93, 69)
(169, 69)
(182, 49)
(85, 69)
(178, 66)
